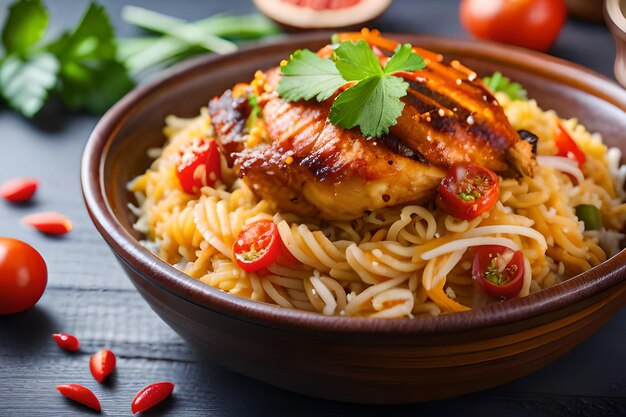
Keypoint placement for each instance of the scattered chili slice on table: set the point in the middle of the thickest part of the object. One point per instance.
(66, 341)
(499, 271)
(468, 191)
(151, 396)
(102, 364)
(199, 165)
(567, 147)
(19, 190)
(80, 394)
(259, 245)
(49, 222)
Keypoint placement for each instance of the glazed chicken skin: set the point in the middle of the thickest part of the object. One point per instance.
(313, 168)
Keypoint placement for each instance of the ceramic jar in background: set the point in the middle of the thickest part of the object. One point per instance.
(615, 16)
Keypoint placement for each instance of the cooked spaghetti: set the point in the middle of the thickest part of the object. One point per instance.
(404, 260)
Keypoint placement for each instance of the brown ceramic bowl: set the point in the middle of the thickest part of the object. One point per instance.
(353, 359)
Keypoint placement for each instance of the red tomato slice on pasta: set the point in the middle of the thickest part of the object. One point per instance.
(468, 191)
(499, 271)
(199, 165)
(259, 245)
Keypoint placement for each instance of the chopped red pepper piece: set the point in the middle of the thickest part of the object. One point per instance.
(49, 222)
(568, 148)
(199, 165)
(80, 394)
(151, 396)
(102, 364)
(19, 190)
(66, 341)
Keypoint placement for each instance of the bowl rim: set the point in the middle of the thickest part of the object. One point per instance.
(128, 249)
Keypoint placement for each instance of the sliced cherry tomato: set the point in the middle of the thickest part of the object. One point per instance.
(259, 245)
(101, 364)
(568, 148)
(199, 165)
(468, 191)
(532, 24)
(23, 276)
(499, 271)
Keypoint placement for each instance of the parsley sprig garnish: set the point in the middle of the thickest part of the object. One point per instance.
(371, 102)
(498, 82)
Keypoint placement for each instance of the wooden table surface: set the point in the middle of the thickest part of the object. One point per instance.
(88, 294)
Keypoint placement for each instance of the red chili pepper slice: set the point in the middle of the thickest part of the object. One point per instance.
(199, 165)
(66, 341)
(499, 271)
(19, 190)
(468, 191)
(80, 394)
(568, 148)
(102, 364)
(259, 245)
(49, 222)
(151, 396)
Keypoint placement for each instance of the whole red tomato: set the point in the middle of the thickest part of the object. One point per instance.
(533, 24)
(23, 276)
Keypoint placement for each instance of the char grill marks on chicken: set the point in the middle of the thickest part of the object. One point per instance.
(313, 168)
(451, 117)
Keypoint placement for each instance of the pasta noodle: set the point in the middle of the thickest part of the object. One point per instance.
(396, 262)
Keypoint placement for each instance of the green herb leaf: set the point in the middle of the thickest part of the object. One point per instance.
(253, 101)
(25, 84)
(356, 61)
(306, 75)
(90, 75)
(25, 26)
(498, 82)
(95, 88)
(404, 59)
(373, 104)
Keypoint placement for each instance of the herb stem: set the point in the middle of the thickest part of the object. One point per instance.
(177, 28)
(161, 50)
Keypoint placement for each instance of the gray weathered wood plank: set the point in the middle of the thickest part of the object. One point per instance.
(210, 390)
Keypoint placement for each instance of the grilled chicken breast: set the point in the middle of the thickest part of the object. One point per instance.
(313, 168)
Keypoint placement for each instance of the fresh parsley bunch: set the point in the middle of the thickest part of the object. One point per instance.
(80, 66)
(88, 68)
(372, 99)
